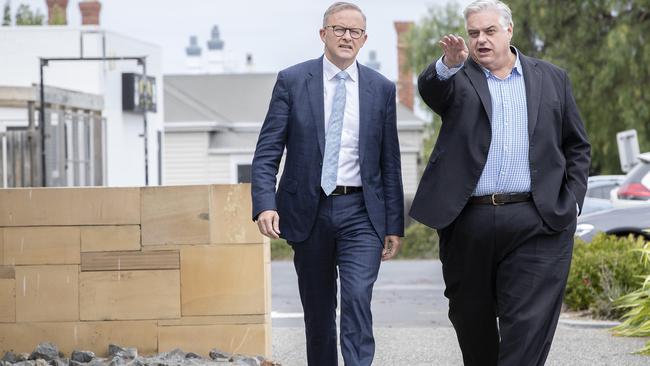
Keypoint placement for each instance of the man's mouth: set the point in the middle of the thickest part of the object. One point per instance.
(483, 50)
(345, 46)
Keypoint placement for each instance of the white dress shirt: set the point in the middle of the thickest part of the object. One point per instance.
(349, 173)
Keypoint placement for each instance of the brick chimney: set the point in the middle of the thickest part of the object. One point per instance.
(90, 12)
(57, 8)
(405, 79)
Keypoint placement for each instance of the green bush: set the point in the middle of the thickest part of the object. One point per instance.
(601, 272)
(636, 320)
(419, 242)
(280, 250)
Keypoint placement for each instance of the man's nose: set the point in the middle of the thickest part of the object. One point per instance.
(347, 36)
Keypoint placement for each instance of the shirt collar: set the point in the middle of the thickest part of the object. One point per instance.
(516, 69)
(330, 70)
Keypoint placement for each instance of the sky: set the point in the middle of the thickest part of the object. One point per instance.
(278, 33)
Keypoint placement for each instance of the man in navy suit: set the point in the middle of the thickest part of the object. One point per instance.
(339, 203)
(503, 186)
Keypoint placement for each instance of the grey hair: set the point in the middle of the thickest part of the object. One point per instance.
(505, 15)
(339, 6)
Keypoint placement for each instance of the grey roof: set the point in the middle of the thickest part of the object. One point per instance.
(217, 97)
(227, 98)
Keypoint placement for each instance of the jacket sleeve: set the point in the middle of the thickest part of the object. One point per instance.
(576, 147)
(270, 147)
(391, 170)
(435, 91)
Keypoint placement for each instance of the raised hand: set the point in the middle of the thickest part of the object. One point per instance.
(455, 50)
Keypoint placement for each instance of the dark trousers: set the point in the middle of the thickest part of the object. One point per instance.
(505, 273)
(342, 237)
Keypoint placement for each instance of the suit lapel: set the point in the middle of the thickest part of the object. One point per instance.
(477, 78)
(317, 100)
(533, 81)
(366, 98)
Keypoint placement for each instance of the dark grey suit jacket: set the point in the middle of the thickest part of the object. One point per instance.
(559, 153)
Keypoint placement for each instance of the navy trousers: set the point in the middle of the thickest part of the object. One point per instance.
(505, 273)
(342, 238)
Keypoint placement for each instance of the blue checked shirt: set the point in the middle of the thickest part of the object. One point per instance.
(507, 169)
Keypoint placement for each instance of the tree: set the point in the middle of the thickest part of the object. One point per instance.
(423, 49)
(602, 46)
(6, 20)
(25, 16)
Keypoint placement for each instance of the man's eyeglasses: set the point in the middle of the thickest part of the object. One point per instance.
(340, 31)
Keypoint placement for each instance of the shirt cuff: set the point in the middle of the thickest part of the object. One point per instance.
(445, 72)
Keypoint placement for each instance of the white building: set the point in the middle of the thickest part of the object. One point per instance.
(111, 141)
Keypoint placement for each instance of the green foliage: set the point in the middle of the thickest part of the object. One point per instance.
(280, 250)
(602, 271)
(25, 16)
(601, 44)
(6, 19)
(637, 305)
(419, 242)
(423, 49)
(57, 15)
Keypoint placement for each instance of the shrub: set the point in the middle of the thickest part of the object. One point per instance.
(419, 242)
(602, 271)
(280, 250)
(637, 306)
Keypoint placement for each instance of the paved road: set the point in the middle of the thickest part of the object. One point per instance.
(411, 325)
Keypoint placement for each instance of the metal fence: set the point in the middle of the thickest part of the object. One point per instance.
(74, 146)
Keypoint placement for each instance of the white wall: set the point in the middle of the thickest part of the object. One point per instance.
(185, 158)
(19, 66)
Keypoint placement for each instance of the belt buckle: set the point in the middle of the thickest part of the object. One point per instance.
(494, 202)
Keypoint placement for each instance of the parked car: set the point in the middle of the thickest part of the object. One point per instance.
(598, 192)
(617, 221)
(635, 189)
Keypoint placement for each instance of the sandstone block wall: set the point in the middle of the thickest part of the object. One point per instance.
(155, 268)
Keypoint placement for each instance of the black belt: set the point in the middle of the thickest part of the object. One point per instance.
(498, 199)
(340, 190)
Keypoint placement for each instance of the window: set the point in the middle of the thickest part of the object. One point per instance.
(243, 173)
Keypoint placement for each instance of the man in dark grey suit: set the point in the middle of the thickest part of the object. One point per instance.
(503, 187)
(339, 203)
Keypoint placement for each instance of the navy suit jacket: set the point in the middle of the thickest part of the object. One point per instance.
(295, 121)
(559, 153)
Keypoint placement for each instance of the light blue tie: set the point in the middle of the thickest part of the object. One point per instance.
(333, 137)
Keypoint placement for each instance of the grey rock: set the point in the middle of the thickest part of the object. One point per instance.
(114, 350)
(59, 362)
(22, 357)
(245, 360)
(218, 355)
(46, 351)
(175, 354)
(42, 362)
(10, 357)
(82, 356)
(26, 363)
(96, 362)
(192, 355)
(138, 361)
(117, 361)
(76, 363)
